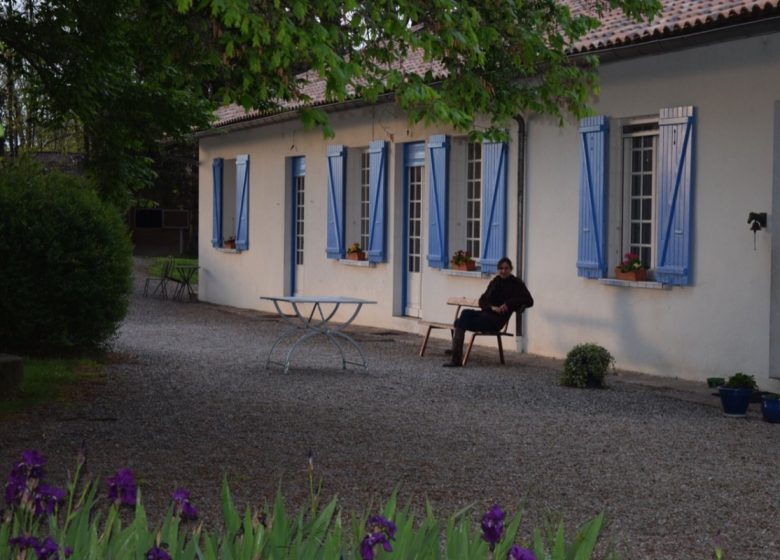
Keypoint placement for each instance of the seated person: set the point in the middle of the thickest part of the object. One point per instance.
(505, 294)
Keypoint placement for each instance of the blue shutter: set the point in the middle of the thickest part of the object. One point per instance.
(494, 156)
(216, 221)
(438, 183)
(337, 160)
(591, 261)
(675, 168)
(242, 202)
(377, 189)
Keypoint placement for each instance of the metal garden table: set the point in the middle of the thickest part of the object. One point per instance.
(317, 322)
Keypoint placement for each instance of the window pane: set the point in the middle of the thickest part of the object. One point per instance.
(636, 160)
(636, 183)
(647, 163)
(647, 185)
(646, 232)
(635, 207)
(635, 233)
(647, 208)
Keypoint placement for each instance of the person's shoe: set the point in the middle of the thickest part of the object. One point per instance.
(452, 364)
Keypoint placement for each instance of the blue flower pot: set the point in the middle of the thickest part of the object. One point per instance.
(735, 401)
(770, 408)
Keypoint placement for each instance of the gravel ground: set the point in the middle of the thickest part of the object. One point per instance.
(188, 401)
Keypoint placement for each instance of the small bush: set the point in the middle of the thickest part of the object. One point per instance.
(586, 365)
(741, 381)
(66, 263)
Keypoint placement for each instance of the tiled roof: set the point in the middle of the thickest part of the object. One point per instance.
(314, 88)
(678, 18)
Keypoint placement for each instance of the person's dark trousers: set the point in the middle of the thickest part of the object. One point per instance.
(456, 358)
(472, 320)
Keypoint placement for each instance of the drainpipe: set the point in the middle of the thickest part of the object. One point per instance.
(520, 256)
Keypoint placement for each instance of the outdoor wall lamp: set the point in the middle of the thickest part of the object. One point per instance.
(757, 221)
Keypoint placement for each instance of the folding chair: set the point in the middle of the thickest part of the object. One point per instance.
(161, 281)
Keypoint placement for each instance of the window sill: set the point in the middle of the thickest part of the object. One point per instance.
(467, 273)
(651, 285)
(364, 264)
(223, 250)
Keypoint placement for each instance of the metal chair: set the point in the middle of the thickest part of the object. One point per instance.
(161, 280)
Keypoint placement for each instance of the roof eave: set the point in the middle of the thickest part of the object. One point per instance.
(252, 121)
(684, 40)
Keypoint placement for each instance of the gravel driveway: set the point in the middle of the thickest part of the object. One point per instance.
(190, 402)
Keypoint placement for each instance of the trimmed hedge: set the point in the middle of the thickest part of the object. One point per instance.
(66, 263)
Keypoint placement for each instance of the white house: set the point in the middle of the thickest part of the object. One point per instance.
(684, 144)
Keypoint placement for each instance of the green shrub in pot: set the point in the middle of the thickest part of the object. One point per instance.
(741, 381)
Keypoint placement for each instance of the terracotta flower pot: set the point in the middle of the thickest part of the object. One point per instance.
(468, 265)
(229, 244)
(356, 256)
(636, 275)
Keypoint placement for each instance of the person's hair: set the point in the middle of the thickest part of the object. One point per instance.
(505, 260)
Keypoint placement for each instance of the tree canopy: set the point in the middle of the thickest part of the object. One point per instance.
(126, 74)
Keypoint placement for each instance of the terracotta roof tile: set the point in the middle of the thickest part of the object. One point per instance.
(678, 17)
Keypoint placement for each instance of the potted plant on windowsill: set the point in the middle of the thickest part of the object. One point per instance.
(462, 260)
(631, 269)
(736, 393)
(770, 407)
(356, 253)
(229, 243)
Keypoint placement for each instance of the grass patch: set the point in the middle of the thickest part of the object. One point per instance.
(49, 380)
(157, 265)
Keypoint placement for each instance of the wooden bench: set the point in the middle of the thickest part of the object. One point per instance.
(459, 303)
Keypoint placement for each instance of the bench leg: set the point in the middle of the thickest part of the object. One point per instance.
(425, 340)
(500, 350)
(468, 351)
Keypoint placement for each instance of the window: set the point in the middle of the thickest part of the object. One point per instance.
(414, 217)
(467, 200)
(473, 198)
(357, 185)
(652, 209)
(364, 205)
(230, 211)
(300, 206)
(639, 168)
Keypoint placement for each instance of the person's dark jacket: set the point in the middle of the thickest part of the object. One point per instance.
(510, 291)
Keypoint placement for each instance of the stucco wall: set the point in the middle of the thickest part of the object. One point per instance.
(721, 322)
(239, 279)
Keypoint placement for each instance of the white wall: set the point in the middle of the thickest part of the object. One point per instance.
(721, 323)
(239, 279)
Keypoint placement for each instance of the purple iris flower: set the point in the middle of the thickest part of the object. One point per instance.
(156, 553)
(48, 550)
(518, 553)
(121, 487)
(368, 543)
(24, 542)
(377, 522)
(32, 462)
(47, 498)
(14, 489)
(493, 525)
(182, 505)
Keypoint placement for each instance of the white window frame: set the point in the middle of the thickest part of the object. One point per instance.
(465, 209)
(631, 131)
(229, 194)
(299, 202)
(622, 130)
